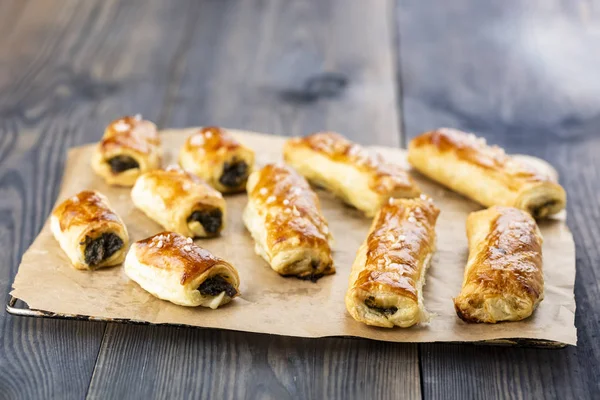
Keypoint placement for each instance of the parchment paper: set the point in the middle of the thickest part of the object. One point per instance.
(272, 304)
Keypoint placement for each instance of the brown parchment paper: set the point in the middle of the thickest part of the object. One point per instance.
(272, 304)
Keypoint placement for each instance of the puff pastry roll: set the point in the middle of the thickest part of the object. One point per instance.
(172, 267)
(89, 231)
(130, 146)
(180, 202)
(503, 278)
(216, 156)
(360, 179)
(484, 173)
(387, 277)
(284, 217)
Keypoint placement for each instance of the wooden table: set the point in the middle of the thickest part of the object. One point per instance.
(524, 74)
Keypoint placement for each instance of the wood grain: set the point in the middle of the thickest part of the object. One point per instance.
(254, 64)
(67, 69)
(522, 74)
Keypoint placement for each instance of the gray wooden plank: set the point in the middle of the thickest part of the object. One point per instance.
(246, 66)
(67, 69)
(525, 76)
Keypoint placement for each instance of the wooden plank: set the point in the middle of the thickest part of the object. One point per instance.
(67, 69)
(522, 74)
(247, 66)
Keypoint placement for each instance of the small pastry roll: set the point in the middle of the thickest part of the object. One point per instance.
(172, 267)
(89, 231)
(484, 173)
(180, 202)
(284, 217)
(217, 157)
(503, 277)
(360, 179)
(130, 146)
(387, 277)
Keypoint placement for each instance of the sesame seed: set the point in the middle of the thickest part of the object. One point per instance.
(325, 229)
(159, 244)
(189, 240)
(418, 209)
(286, 202)
(423, 197)
(401, 238)
(187, 247)
(263, 191)
(412, 219)
(271, 199)
(390, 237)
(287, 210)
(208, 134)
(295, 212)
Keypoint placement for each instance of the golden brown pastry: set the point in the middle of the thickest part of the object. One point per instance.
(484, 173)
(180, 202)
(89, 231)
(172, 267)
(503, 277)
(387, 277)
(130, 146)
(216, 156)
(362, 180)
(284, 217)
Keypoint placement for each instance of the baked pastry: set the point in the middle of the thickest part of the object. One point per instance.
(89, 231)
(130, 146)
(484, 173)
(283, 215)
(172, 267)
(360, 179)
(503, 277)
(388, 274)
(180, 202)
(216, 156)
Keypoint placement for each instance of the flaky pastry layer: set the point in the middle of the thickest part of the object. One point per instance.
(360, 179)
(172, 267)
(130, 147)
(214, 155)
(388, 274)
(503, 278)
(89, 231)
(283, 215)
(467, 165)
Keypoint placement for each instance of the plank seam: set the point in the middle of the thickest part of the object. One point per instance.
(96, 361)
(397, 68)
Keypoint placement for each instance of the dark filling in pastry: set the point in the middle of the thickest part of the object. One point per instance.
(370, 302)
(211, 220)
(215, 285)
(314, 276)
(122, 163)
(101, 248)
(543, 209)
(234, 174)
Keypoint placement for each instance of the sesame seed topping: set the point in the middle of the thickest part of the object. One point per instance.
(271, 199)
(412, 219)
(287, 210)
(263, 191)
(418, 209)
(286, 202)
(390, 237)
(295, 211)
(138, 116)
(401, 238)
(208, 134)
(423, 197)
(159, 244)
(189, 240)
(187, 247)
